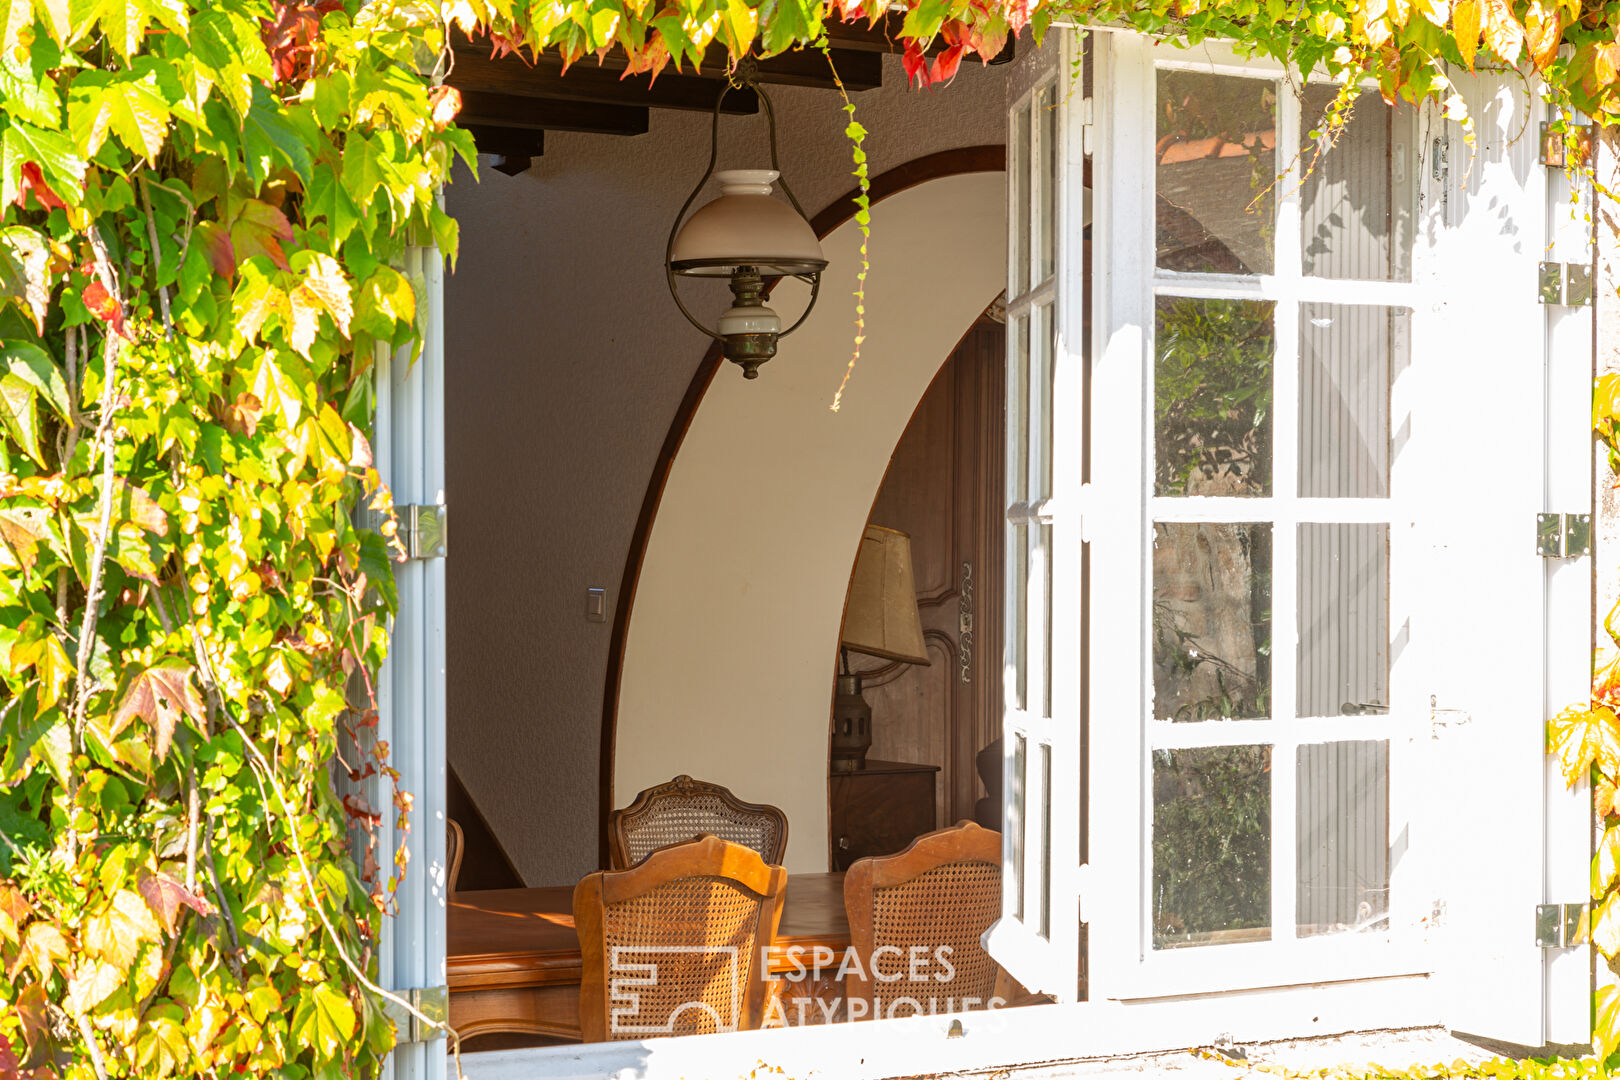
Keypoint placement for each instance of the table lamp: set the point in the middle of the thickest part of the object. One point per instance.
(880, 620)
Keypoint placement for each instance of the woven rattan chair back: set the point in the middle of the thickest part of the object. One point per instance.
(672, 946)
(452, 854)
(675, 812)
(939, 895)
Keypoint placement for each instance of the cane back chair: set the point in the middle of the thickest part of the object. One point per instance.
(943, 891)
(673, 945)
(675, 812)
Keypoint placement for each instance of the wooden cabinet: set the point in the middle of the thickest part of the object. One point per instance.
(880, 809)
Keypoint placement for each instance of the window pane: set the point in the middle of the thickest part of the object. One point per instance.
(1212, 395)
(1019, 159)
(1343, 620)
(1044, 331)
(1216, 173)
(1046, 619)
(1046, 840)
(1018, 402)
(1211, 621)
(1018, 627)
(1358, 198)
(1343, 839)
(1015, 822)
(1345, 356)
(1046, 111)
(1211, 845)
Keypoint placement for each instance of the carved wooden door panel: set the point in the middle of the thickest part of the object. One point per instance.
(944, 487)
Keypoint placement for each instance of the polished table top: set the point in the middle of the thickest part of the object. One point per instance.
(526, 937)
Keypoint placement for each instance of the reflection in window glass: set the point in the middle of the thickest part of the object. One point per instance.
(1211, 845)
(1019, 158)
(1211, 621)
(1212, 396)
(1015, 826)
(1345, 357)
(1359, 194)
(1343, 837)
(1046, 841)
(1046, 110)
(1343, 620)
(1018, 400)
(1216, 172)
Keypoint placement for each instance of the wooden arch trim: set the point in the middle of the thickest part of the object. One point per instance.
(957, 162)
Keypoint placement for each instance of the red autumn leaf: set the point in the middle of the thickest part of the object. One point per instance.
(291, 37)
(944, 67)
(8, 1060)
(257, 228)
(446, 102)
(34, 181)
(915, 63)
(166, 896)
(104, 306)
(216, 244)
(159, 695)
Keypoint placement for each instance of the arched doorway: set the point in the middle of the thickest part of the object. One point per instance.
(742, 581)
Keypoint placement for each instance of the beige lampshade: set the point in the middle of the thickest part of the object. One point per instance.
(881, 619)
(745, 226)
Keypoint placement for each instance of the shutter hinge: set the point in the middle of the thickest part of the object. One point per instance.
(1554, 148)
(1088, 125)
(425, 530)
(432, 1002)
(1563, 926)
(1563, 536)
(1564, 284)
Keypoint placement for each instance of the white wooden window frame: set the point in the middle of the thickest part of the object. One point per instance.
(1284, 959)
(1126, 1013)
(1037, 938)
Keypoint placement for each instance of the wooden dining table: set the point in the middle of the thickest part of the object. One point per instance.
(515, 963)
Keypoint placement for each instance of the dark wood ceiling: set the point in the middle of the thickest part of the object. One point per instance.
(509, 103)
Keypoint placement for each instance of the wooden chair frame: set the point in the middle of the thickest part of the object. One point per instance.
(684, 786)
(708, 856)
(966, 841)
(454, 842)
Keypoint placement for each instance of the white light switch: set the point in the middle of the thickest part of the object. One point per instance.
(596, 605)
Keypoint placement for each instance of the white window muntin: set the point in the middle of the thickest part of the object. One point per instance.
(1284, 958)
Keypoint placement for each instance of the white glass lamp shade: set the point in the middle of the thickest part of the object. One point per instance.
(745, 226)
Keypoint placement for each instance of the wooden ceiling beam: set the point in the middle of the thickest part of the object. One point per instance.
(516, 146)
(475, 72)
(483, 109)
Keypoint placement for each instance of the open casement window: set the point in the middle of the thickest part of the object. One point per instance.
(1037, 938)
(1319, 625)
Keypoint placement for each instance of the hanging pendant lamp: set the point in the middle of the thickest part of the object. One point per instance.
(745, 235)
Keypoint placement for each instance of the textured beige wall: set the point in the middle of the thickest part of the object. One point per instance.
(728, 664)
(566, 360)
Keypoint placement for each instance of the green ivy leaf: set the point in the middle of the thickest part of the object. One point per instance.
(269, 139)
(324, 1019)
(60, 162)
(29, 363)
(126, 104)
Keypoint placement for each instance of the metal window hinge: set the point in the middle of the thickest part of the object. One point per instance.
(432, 1002)
(1563, 536)
(1565, 284)
(1554, 147)
(1088, 125)
(1563, 926)
(422, 529)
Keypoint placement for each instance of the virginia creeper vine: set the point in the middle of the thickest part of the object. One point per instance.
(204, 214)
